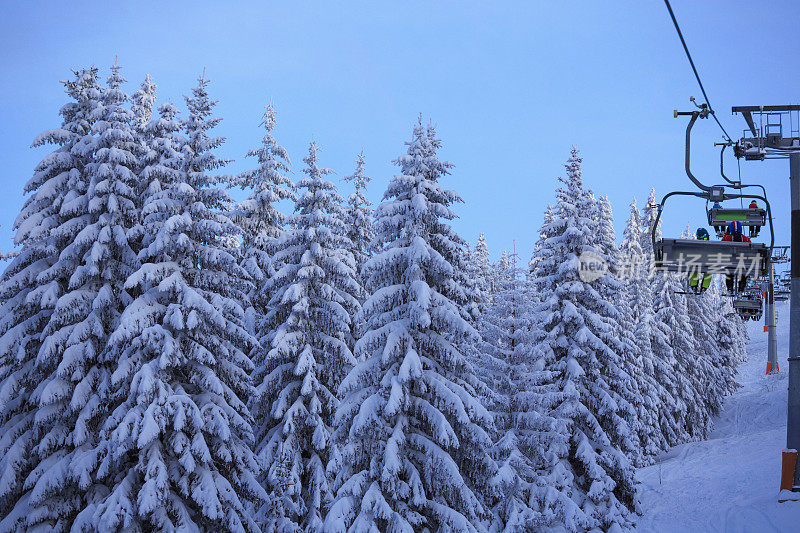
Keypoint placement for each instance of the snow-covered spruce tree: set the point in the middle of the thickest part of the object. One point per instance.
(505, 330)
(502, 265)
(304, 355)
(160, 165)
(142, 103)
(30, 289)
(623, 356)
(636, 306)
(358, 219)
(476, 274)
(416, 454)
(507, 356)
(472, 300)
(674, 346)
(258, 217)
(705, 372)
(177, 449)
(714, 377)
(464, 292)
(584, 453)
(72, 399)
(668, 346)
(482, 267)
(361, 232)
(648, 219)
(606, 238)
(738, 335)
(728, 333)
(534, 268)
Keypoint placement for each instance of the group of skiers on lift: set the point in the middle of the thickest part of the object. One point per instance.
(698, 281)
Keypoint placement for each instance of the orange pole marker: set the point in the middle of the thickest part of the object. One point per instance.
(787, 469)
(769, 367)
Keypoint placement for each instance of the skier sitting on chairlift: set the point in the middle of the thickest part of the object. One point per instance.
(698, 281)
(734, 234)
(753, 229)
(720, 230)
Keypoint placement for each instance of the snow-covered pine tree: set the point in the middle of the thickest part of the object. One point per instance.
(636, 306)
(304, 355)
(477, 273)
(606, 238)
(360, 230)
(142, 103)
(674, 348)
(177, 449)
(482, 266)
(669, 339)
(507, 357)
(705, 373)
(160, 165)
(258, 217)
(416, 454)
(714, 377)
(648, 219)
(742, 337)
(358, 219)
(473, 310)
(728, 335)
(30, 288)
(622, 343)
(505, 331)
(464, 292)
(476, 298)
(583, 455)
(534, 271)
(73, 398)
(502, 265)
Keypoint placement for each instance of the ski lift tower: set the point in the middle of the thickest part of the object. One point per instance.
(774, 133)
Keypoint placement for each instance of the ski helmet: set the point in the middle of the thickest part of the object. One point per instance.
(702, 234)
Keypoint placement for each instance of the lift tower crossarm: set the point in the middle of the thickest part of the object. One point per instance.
(763, 137)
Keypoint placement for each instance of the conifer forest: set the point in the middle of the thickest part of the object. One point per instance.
(307, 360)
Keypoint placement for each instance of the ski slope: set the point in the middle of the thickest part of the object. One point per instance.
(730, 482)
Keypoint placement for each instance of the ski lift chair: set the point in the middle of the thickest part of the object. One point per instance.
(713, 257)
(720, 217)
(732, 259)
(748, 308)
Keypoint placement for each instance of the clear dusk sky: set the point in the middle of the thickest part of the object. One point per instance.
(511, 85)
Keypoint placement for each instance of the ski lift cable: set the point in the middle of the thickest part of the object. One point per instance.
(694, 69)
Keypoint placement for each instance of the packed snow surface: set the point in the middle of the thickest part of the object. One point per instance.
(730, 482)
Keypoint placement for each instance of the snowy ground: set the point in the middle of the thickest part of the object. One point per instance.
(730, 482)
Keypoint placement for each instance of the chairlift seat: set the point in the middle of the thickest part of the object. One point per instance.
(747, 304)
(711, 257)
(722, 216)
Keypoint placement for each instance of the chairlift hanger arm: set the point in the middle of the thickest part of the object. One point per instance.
(703, 113)
(722, 167)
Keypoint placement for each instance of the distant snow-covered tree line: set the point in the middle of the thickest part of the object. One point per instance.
(173, 360)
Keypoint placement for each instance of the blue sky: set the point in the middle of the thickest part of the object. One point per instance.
(511, 85)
